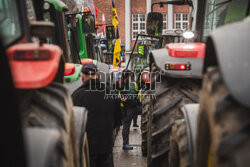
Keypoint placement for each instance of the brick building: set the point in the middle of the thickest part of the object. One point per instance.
(132, 17)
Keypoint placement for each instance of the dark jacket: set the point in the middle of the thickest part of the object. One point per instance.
(131, 94)
(103, 115)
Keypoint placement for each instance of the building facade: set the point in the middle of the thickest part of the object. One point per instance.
(133, 14)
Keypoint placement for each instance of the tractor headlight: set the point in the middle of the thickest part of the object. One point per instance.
(188, 35)
(46, 6)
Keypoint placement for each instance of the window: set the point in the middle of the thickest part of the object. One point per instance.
(164, 21)
(221, 12)
(181, 20)
(138, 25)
(10, 25)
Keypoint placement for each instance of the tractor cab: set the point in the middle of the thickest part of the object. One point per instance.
(145, 43)
(156, 38)
(65, 35)
(54, 11)
(139, 57)
(72, 34)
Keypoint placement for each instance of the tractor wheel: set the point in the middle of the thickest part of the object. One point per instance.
(52, 107)
(223, 126)
(179, 155)
(80, 114)
(170, 95)
(144, 121)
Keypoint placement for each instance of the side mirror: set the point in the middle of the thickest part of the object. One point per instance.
(88, 24)
(154, 23)
(110, 32)
(42, 29)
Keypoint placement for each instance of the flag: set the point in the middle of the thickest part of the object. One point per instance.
(96, 11)
(117, 50)
(115, 20)
(103, 25)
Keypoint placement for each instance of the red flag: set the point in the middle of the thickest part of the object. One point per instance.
(96, 11)
(103, 25)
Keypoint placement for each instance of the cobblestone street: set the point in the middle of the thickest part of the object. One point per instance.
(132, 157)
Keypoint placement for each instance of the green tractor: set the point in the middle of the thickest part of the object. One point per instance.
(72, 35)
(73, 46)
(54, 129)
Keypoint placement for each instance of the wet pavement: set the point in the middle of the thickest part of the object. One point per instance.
(133, 157)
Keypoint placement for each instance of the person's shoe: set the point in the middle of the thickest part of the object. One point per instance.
(127, 147)
(135, 126)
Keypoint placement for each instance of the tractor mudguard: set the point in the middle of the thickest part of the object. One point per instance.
(104, 77)
(41, 145)
(228, 48)
(190, 112)
(75, 76)
(35, 66)
(80, 114)
(162, 57)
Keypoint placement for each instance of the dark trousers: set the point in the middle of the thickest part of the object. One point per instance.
(102, 160)
(139, 112)
(126, 122)
(135, 119)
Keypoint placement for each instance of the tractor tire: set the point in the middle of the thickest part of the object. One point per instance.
(170, 95)
(179, 155)
(223, 126)
(144, 121)
(43, 147)
(52, 107)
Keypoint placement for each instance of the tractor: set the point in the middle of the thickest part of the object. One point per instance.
(71, 35)
(75, 31)
(215, 132)
(54, 128)
(139, 63)
(177, 77)
(175, 80)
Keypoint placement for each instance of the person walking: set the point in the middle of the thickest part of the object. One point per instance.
(135, 125)
(103, 116)
(129, 99)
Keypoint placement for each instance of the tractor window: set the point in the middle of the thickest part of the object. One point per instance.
(10, 25)
(221, 12)
(139, 60)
